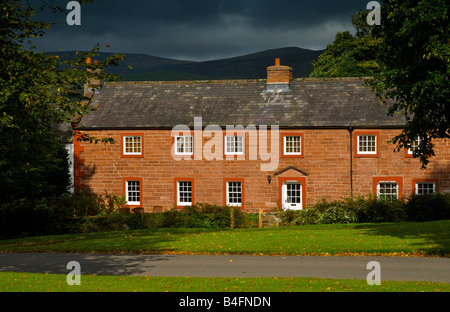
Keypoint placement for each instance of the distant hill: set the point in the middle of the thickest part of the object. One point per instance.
(250, 66)
(141, 63)
(254, 66)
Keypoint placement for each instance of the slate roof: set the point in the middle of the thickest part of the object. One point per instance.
(309, 103)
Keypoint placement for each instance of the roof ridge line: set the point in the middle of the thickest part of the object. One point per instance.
(226, 81)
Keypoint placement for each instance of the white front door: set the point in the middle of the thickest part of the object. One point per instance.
(292, 195)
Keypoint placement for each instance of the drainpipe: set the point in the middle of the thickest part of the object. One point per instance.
(350, 130)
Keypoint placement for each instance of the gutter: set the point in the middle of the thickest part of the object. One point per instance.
(350, 130)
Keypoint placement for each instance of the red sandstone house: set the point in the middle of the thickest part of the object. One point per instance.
(280, 143)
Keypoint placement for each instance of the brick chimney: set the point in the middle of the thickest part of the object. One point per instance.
(92, 85)
(278, 77)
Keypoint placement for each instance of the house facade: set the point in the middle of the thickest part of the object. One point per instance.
(277, 143)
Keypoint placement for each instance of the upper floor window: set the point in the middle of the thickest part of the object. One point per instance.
(413, 145)
(184, 145)
(132, 145)
(292, 144)
(234, 145)
(367, 144)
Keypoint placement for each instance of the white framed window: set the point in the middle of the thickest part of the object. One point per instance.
(413, 145)
(132, 145)
(184, 193)
(292, 145)
(422, 188)
(234, 193)
(184, 145)
(234, 145)
(367, 144)
(387, 191)
(133, 192)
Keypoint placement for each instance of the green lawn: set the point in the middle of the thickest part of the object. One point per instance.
(23, 282)
(394, 239)
(397, 239)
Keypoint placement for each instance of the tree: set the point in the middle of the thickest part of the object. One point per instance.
(37, 93)
(414, 58)
(349, 55)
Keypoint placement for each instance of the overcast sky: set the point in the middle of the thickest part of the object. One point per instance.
(201, 29)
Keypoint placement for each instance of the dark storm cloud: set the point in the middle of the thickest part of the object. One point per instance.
(202, 29)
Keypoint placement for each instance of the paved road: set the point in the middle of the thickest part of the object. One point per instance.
(392, 268)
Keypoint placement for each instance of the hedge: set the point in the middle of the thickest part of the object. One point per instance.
(87, 212)
(202, 215)
(417, 208)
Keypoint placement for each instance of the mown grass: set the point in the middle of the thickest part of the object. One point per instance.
(405, 238)
(31, 282)
(395, 239)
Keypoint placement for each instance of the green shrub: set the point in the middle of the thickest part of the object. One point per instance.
(373, 210)
(307, 216)
(201, 215)
(205, 216)
(30, 218)
(289, 217)
(428, 207)
(338, 213)
(347, 211)
(86, 203)
(154, 220)
(323, 205)
(106, 223)
(244, 219)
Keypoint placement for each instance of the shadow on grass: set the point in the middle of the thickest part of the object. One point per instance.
(127, 241)
(432, 238)
(112, 253)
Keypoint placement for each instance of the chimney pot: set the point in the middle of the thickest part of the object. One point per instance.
(278, 76)
(92, 85)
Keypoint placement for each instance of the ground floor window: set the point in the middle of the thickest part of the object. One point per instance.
(133, 192)
(234, 192)
(388, 189)
(184, 192)
(425, 186)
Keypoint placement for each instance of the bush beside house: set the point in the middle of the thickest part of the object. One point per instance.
(418, 208)
(84, 212)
